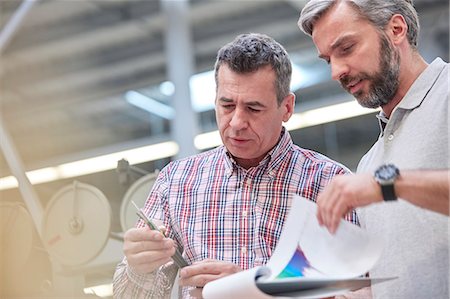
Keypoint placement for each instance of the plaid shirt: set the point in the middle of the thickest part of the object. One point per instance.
(215, 209)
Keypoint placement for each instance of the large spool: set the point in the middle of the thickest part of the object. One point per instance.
(76, 225)
(138, 192)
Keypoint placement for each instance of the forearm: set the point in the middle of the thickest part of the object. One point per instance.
(158, 284)
(428, 189)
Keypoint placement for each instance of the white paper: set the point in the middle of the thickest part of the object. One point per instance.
(237, 286)
(336, 260)
(349, 253)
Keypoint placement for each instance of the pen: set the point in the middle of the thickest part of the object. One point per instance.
(177, 257)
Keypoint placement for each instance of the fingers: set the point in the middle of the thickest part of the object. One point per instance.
(325, 203)
(199, 280)
(205, 271)
(344, 193)
(166, 246)
(142, 234)
(139, 246)
(338, 212)
(322, 209)
(146, 263)
(146, 249)
(332, 204)
(143, 239)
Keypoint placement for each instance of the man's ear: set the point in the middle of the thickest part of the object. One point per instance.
(397, 29)
(289, 104)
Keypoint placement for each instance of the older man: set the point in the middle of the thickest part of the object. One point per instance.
(226, 207)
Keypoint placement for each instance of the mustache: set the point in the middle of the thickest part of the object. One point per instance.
(346, 80)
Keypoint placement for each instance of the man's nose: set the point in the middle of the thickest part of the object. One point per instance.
(339, 69)
(239, 120)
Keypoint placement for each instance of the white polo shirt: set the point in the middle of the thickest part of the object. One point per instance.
(416, 240)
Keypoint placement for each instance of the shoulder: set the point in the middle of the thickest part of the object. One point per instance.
(315, 160)
(439, 69)
(210, 157)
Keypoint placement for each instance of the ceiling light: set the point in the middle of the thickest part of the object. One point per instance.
(326, 114)
(167, 88)
(207, 140)
(150, 105)
(96, 164)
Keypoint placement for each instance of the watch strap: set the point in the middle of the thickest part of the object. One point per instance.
(388, 192)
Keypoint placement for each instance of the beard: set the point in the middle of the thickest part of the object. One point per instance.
(384, 83)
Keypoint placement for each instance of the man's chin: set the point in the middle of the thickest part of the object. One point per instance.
(367, 103)
(364, 101)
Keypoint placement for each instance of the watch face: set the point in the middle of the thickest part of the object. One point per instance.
(387, 173)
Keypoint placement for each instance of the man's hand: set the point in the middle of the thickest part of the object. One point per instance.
(344, 193)
(146, 250)
(200, 273)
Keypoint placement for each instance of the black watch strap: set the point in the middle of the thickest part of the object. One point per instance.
(388, 192)
(386, 175)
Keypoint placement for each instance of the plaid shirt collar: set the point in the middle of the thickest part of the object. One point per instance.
(279, 151)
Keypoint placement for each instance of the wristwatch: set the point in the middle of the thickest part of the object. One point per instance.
(385, 175)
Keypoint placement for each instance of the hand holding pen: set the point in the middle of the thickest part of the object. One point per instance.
(177, 257)
(146, 250)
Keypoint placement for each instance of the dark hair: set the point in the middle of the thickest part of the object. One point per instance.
(377, 12)
(249, 52)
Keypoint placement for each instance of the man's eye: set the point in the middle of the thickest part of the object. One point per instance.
(346, 49)
(253, 109)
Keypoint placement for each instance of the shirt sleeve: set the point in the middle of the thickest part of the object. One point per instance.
(154, 285)
(157, 284)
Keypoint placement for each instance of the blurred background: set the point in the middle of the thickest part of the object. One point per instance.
(98, 95)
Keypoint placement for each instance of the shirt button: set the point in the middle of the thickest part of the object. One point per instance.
(390, 137)
(244, 213)
(244, 250)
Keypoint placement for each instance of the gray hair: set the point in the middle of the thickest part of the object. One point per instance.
(250, 52)
(377, 12)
